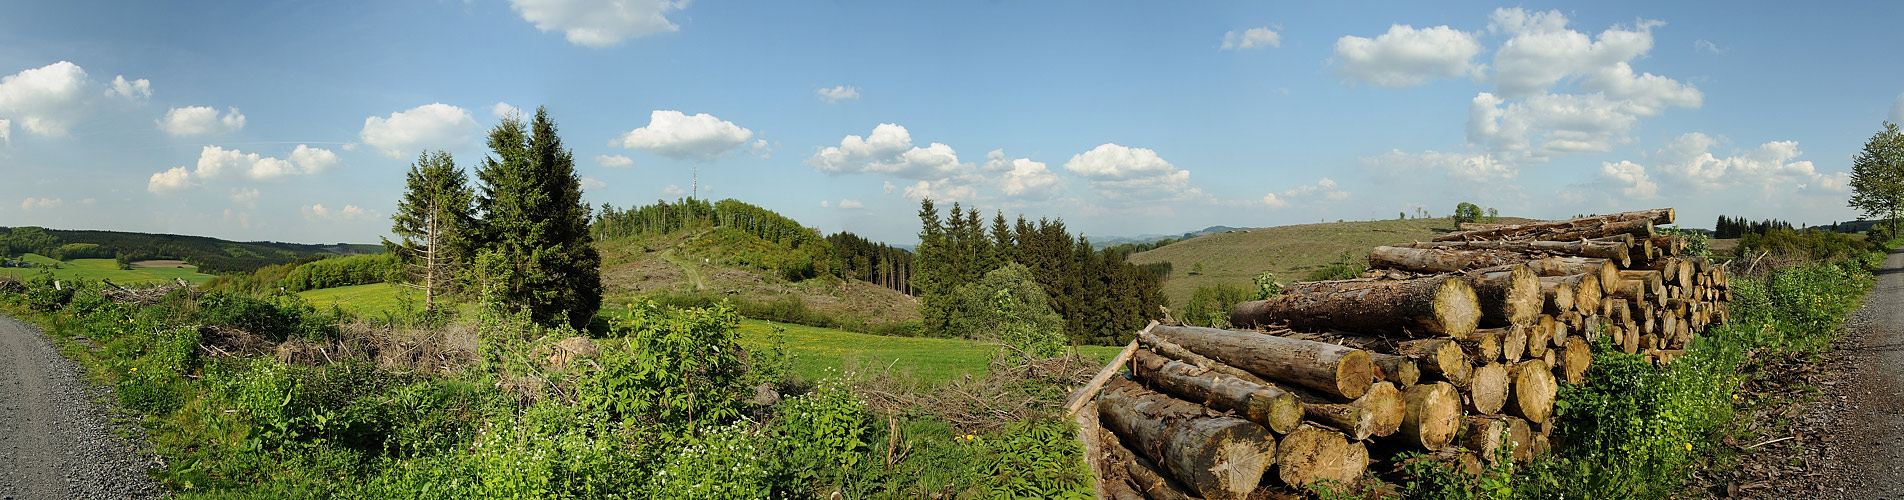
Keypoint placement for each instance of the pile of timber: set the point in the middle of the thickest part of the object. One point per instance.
(1455, 347)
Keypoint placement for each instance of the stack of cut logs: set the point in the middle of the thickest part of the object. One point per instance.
(1452, 347)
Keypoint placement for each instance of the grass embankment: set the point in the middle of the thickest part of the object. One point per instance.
(96, 269)
(1636, 430)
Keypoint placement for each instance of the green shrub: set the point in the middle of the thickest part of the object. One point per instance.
(1034, 459)
(818, 435)
(1345, 266)
(1210, 306)
(723, 463)
(43, 295)
(673, 368)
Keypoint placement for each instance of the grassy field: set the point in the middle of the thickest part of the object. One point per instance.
(815, 350)
(923, 359)
(93, 269)
(372, 299)
(1291, 252)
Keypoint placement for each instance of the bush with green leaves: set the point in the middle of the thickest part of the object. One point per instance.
(675, 368)
(724, 462)
(818, 435)
(980, 310)
(1210, 305)
(1034, 459)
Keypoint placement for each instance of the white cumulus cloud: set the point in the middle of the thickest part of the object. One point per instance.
(407, 133)
(1021, 178)
(600, 23)
(244, 196)
(41, 203)
(45, 100)
(683, 137)
(201, 120)
(348, 213)
(888, 150)
(1124, 173)
(1467, 168)
(170, 180)
(839, 93)
(851, 203)
(135, 90)
(616, 161)
(1630, 178)
(1771, 166)
(1406, 56)
(673, 190)
(1253, 38)
(6, 132)
(505, 110)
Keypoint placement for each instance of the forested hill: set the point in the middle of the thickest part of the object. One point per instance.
(211, 255)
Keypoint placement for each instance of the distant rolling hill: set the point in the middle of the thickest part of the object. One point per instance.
(1111, 241)
(1292, 252)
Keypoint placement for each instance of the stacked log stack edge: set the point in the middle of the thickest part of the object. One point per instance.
(1454, 348)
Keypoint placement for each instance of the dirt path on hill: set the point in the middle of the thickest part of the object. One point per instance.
(56, 441)
(688, 268)
(1849, 443)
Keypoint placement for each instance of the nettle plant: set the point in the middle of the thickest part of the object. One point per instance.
(679, 369)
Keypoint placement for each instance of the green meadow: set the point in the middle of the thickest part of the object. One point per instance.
(94, 269)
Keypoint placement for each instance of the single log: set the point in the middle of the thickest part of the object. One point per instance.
(1550, 356)
(1669, 269)
(1432, 416)
(1574, 359)
(1655, 282)
(1641, 252)
(1509, 296)
(1558, 292)
(1356, 422)
(1435, 305)
(1400, 370)
(1545, 330)
(1603, 269)
(1633, 291)
(1561, 331)
(1384, 401)
(1217, 456)
(1498, 437)
(1489, 391)
(1532, 394)
(1181, 353)
(1441, 260)
(1439, 357)
(1669, 244)
(1514, 341)
(1312, 454)
(1598, 249)
(1268, 405)
(1144, 475)
(1341, 371)
(1484, 344)
(1639, 224)
(1587, 293)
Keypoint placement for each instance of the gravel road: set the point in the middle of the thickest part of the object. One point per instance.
(1853, 433)
(56, 437)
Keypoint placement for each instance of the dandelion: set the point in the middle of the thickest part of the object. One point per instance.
(1688, 446)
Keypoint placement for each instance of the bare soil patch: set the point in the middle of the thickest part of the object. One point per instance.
(168, 264)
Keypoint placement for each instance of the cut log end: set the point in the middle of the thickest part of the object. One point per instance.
(1314, 454)
(1354, 373)
(1456, 308)
(1533, 391)
(1432, 416)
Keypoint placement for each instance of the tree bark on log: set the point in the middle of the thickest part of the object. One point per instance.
(1435, 305)
(1596, 249)
(1340, 371)
(1603, 269)
(1144, 474)
(1180, 353)
(1356, 422)
(1217, 456)
(1532, 394)
(1439, 357)
(1509, 296)
(1432, 416)
(1312, 454)
(1441, 260)
(1572, 229)
(1489, 391)
(1268, 405)
(1400, 370)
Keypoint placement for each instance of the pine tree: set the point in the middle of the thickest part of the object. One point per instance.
(433, 223)
(536, 225)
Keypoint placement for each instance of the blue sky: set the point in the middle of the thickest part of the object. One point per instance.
(295, 121)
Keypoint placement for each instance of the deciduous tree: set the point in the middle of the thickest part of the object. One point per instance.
(1877, 176)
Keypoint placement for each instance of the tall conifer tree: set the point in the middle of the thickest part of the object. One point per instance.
(536, 224)
(433, 224)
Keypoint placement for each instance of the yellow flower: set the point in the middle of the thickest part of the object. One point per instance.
(1688, 446)
(135, 368)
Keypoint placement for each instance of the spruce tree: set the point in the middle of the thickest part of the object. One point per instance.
(535, 224)
(433, 224)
